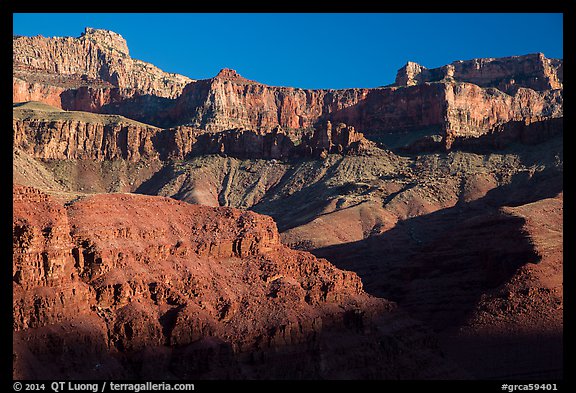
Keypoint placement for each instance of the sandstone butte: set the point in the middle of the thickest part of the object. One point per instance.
(95, 73)
(444, 261)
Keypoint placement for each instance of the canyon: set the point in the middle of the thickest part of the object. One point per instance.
(184, 296)
(172, 228)
(464, 99)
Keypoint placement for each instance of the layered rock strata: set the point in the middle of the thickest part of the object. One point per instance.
(99, 56)
(104, 288)
(73, 136)
(464, 99)
(48, 133)
(507, 74)
(94, 73)
(524, 131)
(449, 108)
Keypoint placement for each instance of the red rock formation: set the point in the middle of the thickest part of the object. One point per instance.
(45, 280)
(472, 111)
(533, 71)
(333, 139)
(46, 133)
(411, 74)
(526, 312)
(68, 93)
(23, 91)
(452, 108)
(485, 275)
(246, 144)
(223, 102)
(176, 143)
(231, 101)
(131, 103)
(96, 54)
(523, 131)
(321, 140)
(95, 73)
(52, 308)
(151, 280)
(77, 140)
(65, 136)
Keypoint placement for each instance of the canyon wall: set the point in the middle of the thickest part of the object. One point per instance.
(231, 101)
(104, 288)
(94, 73)
(450, 108)
(48, 133)
(24, 91)
(465, 98)
(98, 55)
(112, 286)
(520, 131)
(473, 111)
(63, 140)
(507, 74)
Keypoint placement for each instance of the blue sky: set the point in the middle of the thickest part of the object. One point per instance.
(311, 50)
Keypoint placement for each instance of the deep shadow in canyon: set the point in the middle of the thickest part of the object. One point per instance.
(439, 266)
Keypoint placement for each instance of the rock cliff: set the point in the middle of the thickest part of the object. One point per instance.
(49, 133)
(515, 131)
(463, 99)
(104, 288)
(449, 108)
(338, 138)
(507, 74)
(466, 238)
(473, 111)
(97, 55)
(24, 91)
(94, 73)
(231, 101)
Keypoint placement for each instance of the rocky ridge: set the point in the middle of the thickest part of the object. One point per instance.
(448, 109)
(507, 74)
(48, 133)
(478, 274)
(94, 73)
(426, 107)
(96, 56)
(131, 295)
(526, 309)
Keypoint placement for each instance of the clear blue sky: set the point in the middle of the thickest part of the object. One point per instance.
(311, 50)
